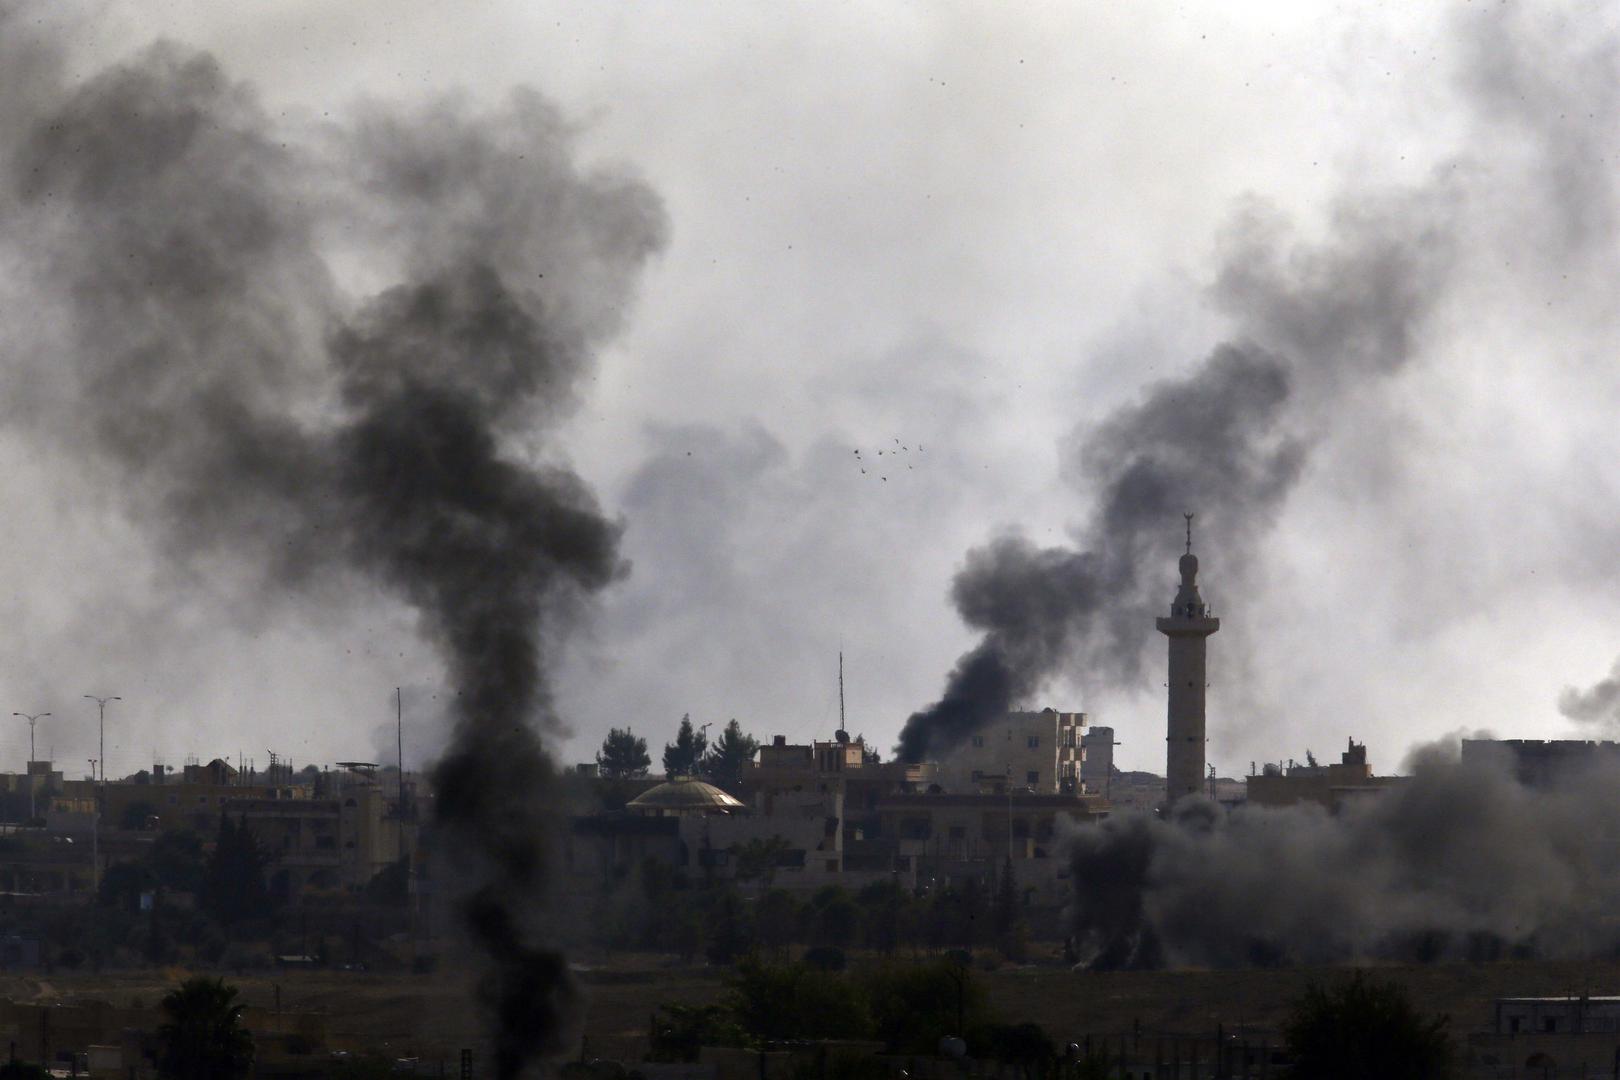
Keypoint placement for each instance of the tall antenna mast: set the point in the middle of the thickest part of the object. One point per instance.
(840, 689)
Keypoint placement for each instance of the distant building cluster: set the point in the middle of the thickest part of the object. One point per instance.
(323, 831)
(831, 812)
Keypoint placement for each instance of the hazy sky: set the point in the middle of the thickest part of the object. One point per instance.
(963, 235)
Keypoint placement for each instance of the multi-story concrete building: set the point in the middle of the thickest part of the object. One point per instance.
(1097, 760)
(1331, 786)
(1039, 752)
(1541, 763)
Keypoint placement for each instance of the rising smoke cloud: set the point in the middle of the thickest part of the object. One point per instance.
(322, 359)
(1228, 441)
(1597, 705)
(1320, 328)
(1462, 861)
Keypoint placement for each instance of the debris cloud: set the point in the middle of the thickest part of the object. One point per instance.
(1462, 861)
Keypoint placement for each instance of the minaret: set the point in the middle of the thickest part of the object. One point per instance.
(1187, 627)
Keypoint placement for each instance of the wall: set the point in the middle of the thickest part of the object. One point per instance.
(1045, 746)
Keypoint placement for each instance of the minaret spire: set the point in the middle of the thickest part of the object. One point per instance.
(1187, 627)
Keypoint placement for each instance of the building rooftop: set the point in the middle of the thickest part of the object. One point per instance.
(684, 796)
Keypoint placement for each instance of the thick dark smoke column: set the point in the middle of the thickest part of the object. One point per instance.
(1317, 325)
(195, 342)
(1229, 441)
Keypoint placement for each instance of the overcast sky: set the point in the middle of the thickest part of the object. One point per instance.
(963, 235)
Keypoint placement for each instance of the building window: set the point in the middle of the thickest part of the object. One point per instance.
(1034, 742)
(978, 740)
(1032, 777)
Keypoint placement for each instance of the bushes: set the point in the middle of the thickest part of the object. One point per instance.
(1362, 1028)
(908, 1006)
(681, 1030)
(792, 1001)
(914, 1005)
(656, 906)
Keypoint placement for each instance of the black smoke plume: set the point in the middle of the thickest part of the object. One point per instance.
(1461, 861)
(319, 359)
(1228, 441)
(1319, 329)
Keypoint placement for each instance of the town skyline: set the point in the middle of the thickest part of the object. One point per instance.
(961, 349)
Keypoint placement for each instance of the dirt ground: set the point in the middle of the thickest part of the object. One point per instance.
(434, 1015)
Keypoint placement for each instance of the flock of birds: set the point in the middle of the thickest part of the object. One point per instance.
(893, 453)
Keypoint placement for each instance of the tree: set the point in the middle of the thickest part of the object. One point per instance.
(791, 1001)
(684, 757)
(759, 857)
(731, 754)
(731, 934)
(177, 861)
(203, 1038)
(390, 886)
(122, 885)
(1005, 911)
(913, 1005)
(623, 756)
(233, 882)
(1362, 1028)
(776, 917)
(888, 915)
(137, 816)
(682, 1030)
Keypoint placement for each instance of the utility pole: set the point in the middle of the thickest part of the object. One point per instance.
(95, 834)
(101, 707)
(399, 783)
(32, 720)
(95, 818)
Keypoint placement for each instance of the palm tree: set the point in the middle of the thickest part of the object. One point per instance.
(204, 1038)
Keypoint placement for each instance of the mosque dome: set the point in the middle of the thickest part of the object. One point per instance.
(683, 797)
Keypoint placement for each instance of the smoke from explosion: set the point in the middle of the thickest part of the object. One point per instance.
(1598, 704)
(1460, 861)
(1229, 440)
(1317, 325)
(326, 358)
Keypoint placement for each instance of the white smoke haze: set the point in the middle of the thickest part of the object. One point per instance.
(1043, 193)
(1460, 862)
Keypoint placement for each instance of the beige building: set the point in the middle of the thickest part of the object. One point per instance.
(1330, 786)
(1039, 752)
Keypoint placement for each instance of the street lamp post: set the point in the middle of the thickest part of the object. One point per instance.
(32, 718)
